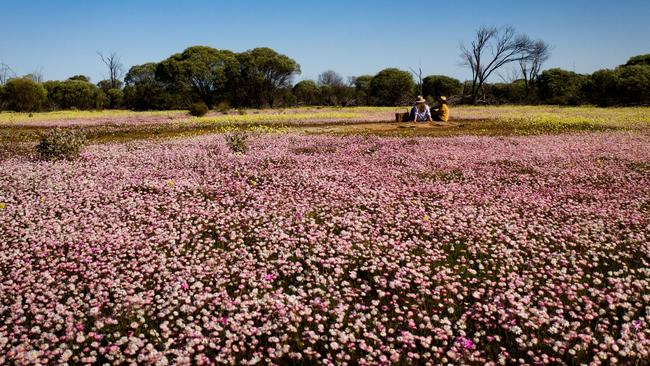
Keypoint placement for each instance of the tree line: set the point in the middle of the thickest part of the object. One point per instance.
(262, 77)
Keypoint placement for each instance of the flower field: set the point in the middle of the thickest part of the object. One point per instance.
(330, 250)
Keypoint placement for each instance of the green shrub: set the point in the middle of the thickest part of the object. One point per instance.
(557, 86)
(306, 92)
(638, 60)
(198, 109)
(236, 141)
(83, 78)
(75, 94)
(3, 97)
(24, 95)
(222, 107)
(440, 85)
(392, 87)
(115, 98)
(59, 144)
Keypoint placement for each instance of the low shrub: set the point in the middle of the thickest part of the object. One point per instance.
(24, 95)
(236, 141)
(60, 144)
(199, 109)
(222, 107)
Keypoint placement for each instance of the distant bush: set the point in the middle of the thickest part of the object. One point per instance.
(106, 85)
(440, 85)
(602, 88)
(80, 78)
(60, 144)
(557, 86)
(3, 97)
(306, 92)
(639, 60)
(506, 93)
(75, 94)
(142, 91)
(236, 141)
(222, 107)
(198, 109)
(634, 84)
(392, 87)
(24, 95)
(115, 98)
(626, 85)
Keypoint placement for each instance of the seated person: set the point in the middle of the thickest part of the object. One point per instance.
(441, 114)
(420, 111)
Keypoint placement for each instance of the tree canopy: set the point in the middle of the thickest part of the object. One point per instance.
(205, 71)
(262, 71)
(391, 87)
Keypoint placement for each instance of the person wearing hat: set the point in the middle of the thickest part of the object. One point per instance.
(420, 111)
(441, 114)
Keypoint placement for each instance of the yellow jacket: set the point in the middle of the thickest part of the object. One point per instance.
(443, 112)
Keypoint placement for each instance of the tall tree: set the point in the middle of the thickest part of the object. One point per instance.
(203, 70)
(306, 92)
(491, 49)
(334, 91)
(115, 68)
(143, 91)
(392, 87)
(330, 78)
(362, 89)
(440, 85)
(262, 73)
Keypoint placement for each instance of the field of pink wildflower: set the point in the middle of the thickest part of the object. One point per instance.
(330, 250)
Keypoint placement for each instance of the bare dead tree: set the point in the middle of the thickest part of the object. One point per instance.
(6, 73)
(489, 51)
(531, 62)
(330, 78)
(418, 76)
(510, 76)
(115, 68)
(36, 76)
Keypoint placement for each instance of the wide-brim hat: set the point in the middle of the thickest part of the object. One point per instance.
(443, 99)
(420, 100)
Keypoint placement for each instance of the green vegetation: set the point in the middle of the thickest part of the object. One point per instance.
(437, 85)
(392, 87)
(557, 86)
(198, 109)
(24, 94)
(60, 144)
(236, 141)
(307, 92)
(202, 71)
(263, 78)
(75, 93)
(466, 120)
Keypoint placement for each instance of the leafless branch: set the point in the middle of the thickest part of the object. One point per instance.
(115, 67)
(531, 63)
(491, 49)
(418, 75)
(6, 73)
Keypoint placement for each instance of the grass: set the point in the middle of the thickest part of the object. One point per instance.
(274, 119)
(19, 117)
(466, 120)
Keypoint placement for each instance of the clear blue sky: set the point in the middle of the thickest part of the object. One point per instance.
(61, 37)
